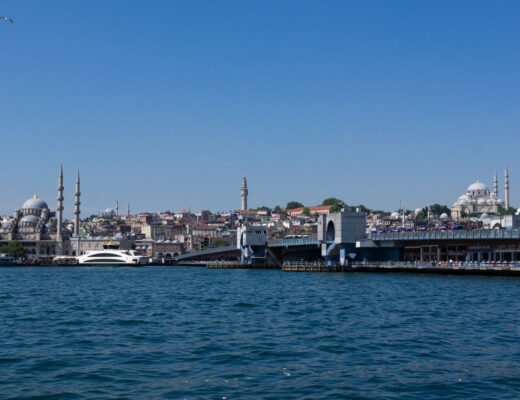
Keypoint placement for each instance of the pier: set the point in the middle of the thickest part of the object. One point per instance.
(446, 268)
(456, 268)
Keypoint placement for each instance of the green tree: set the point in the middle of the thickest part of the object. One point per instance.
(280, 210)
(437, 209)
(306, 211)
(463, 214)
(293, 204)
(14, 248)
(421, 215)
(219, 243)
(335, 208)
(509, 211)
(331, 201)
(263, 208)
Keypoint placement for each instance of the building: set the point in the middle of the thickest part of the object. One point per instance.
(478, 199)
(36, 227)
(318, 210)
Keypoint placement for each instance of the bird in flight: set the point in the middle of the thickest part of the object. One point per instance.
(7, 19)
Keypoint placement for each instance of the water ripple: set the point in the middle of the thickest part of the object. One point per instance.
(190, 333)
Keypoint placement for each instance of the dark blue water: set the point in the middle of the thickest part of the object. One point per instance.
(190, 333)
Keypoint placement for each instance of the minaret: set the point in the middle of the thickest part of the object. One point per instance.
(243, 193)
(128, 210)
(495, 185)
(59, 235)
(77, 203)
(117, 208)
(506, 188)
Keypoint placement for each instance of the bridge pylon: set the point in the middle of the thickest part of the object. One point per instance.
(338, 232)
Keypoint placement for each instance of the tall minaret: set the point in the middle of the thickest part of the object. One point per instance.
(243, 193)
(506, 188)
(117, 208)
(495, 185)
(59, 234)
(77, 203)
(128, 210)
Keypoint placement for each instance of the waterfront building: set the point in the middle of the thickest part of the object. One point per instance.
(37, 228)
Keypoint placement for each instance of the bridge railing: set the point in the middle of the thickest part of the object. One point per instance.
(293, 242)
(415, 264)
(445, 235)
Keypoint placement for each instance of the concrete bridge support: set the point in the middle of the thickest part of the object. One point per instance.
(338, 232)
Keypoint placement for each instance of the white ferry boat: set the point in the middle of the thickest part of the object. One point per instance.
(112, 256)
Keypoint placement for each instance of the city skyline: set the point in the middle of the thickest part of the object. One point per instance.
(370, 103)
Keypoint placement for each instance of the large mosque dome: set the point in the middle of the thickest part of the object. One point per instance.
(36, 203)
(478, 189)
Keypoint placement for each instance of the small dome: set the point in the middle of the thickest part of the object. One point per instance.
(109, 212)
(6, 225)
(444, 216)
(485, 215)
(490, 202)
(30, 219)
(481, 202)
(395, 214)
(119, 236)
(500, 201)
(35, 202)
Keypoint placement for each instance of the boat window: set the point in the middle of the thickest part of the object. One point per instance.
(104, 255)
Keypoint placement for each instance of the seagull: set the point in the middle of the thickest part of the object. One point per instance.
(7, 19)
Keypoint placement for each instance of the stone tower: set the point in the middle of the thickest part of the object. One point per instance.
(77, 203)
(506, 189)
(243, 193)
(59, 216)
(117, 208)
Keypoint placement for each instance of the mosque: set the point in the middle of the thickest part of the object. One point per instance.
(478, 199)
(39, 229)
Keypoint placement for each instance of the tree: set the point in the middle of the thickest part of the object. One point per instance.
(463, 214)
(421, 215)
(437, 209)
(263, 208)
(331, 201)
(335, 208)
(306, 211)
(133, 246)
(509, 211)
(14, 248)
(293, 204)
(279, 210)
(219, 243)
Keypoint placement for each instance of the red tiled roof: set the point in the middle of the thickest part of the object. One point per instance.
(311, 209)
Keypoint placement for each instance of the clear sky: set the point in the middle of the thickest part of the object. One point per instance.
(166, 104)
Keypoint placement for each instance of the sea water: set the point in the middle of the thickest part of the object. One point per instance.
(192, 333)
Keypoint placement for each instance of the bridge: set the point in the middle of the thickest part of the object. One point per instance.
(475, 234)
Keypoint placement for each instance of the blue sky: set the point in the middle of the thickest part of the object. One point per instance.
(167, 104)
